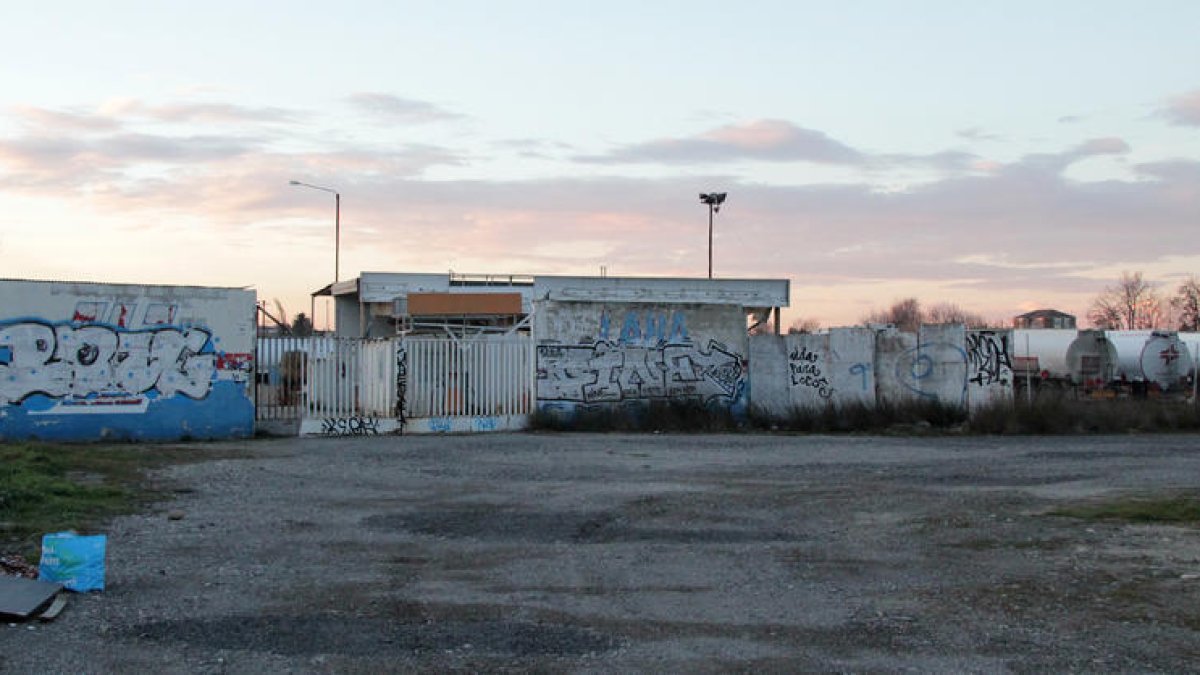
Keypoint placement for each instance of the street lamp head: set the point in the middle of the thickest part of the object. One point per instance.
(315, 187)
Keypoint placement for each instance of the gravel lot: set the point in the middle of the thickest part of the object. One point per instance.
(572, 552)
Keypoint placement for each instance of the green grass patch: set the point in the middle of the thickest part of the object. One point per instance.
(50, 488)
(1179, 509)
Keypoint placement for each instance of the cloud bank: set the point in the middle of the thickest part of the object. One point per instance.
(1014, 230)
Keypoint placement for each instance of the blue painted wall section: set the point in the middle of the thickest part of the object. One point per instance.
(84, 380)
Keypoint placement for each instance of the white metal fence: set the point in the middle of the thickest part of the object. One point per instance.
(406, 378)
(280, 377)
(476, 377)
(334, 378)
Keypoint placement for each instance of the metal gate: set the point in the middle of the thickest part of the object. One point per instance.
(417, 385)
(280, 377)
(470, 377)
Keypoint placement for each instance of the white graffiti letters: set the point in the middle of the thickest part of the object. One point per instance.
(71, 360)
(608, 372)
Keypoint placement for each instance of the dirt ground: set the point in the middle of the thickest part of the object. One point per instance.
(573, 552)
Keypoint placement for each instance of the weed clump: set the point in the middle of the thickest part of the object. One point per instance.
(1182, 509)
(671, 416)
(1049, 413)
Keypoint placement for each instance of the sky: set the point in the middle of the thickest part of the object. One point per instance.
(1002, 156)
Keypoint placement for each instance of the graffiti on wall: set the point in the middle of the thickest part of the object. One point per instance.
(484, 423)
(943, 371)
(863, 370)
(100, 362)
(932, 369)
(988, 359)
(350, 426)
(611, 372)
(401, 382)
(650, 328)
(805, 367)
(121, 314)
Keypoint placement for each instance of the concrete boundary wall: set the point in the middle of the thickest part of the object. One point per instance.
(812, 370)
(611, 353)
(944, 363)
(87, 362)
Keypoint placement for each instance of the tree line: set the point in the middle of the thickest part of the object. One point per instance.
(1135, 303)
(1131, 303)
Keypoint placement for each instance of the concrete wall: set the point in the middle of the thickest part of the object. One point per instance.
(948, 364)
(107, 361)
(593, 353)
(930, 365)
(812, 370)
(989, 367)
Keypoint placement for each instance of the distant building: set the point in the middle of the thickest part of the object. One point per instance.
(381, 304)
(1044, 318)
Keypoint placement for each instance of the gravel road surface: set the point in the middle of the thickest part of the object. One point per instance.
(615, 552)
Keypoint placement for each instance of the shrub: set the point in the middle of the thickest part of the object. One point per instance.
(1051, 412)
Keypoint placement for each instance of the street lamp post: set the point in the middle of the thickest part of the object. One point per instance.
(337, 224)
(714, 201)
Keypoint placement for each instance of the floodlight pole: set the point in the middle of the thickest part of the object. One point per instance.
(710, 229)
(714, 201)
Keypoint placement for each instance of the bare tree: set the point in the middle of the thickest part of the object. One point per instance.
(1131, 304)
(805, 324)
(948, 312)
(1187, 303)
(904, 314)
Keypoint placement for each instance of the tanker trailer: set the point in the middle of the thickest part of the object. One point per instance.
(1151, 356)
(1192, 340)
(1042, 353)
(1092, 359)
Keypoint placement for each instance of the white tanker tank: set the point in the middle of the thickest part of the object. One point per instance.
(1160, 357)
(1192, 340)
(1048, 346)
(1092, 359)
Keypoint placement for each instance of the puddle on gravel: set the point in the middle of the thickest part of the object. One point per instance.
(310, 635)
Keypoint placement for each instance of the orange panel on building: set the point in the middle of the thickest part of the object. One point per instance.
(463, 304)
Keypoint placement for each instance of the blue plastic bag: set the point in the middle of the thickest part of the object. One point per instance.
(76, 562)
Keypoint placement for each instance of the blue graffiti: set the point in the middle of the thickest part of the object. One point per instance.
(923, 368)
(485, 424)
(863, 370)
(647, 328)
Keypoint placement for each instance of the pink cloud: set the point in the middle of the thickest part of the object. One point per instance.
(766, 140)
(1183, 109)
